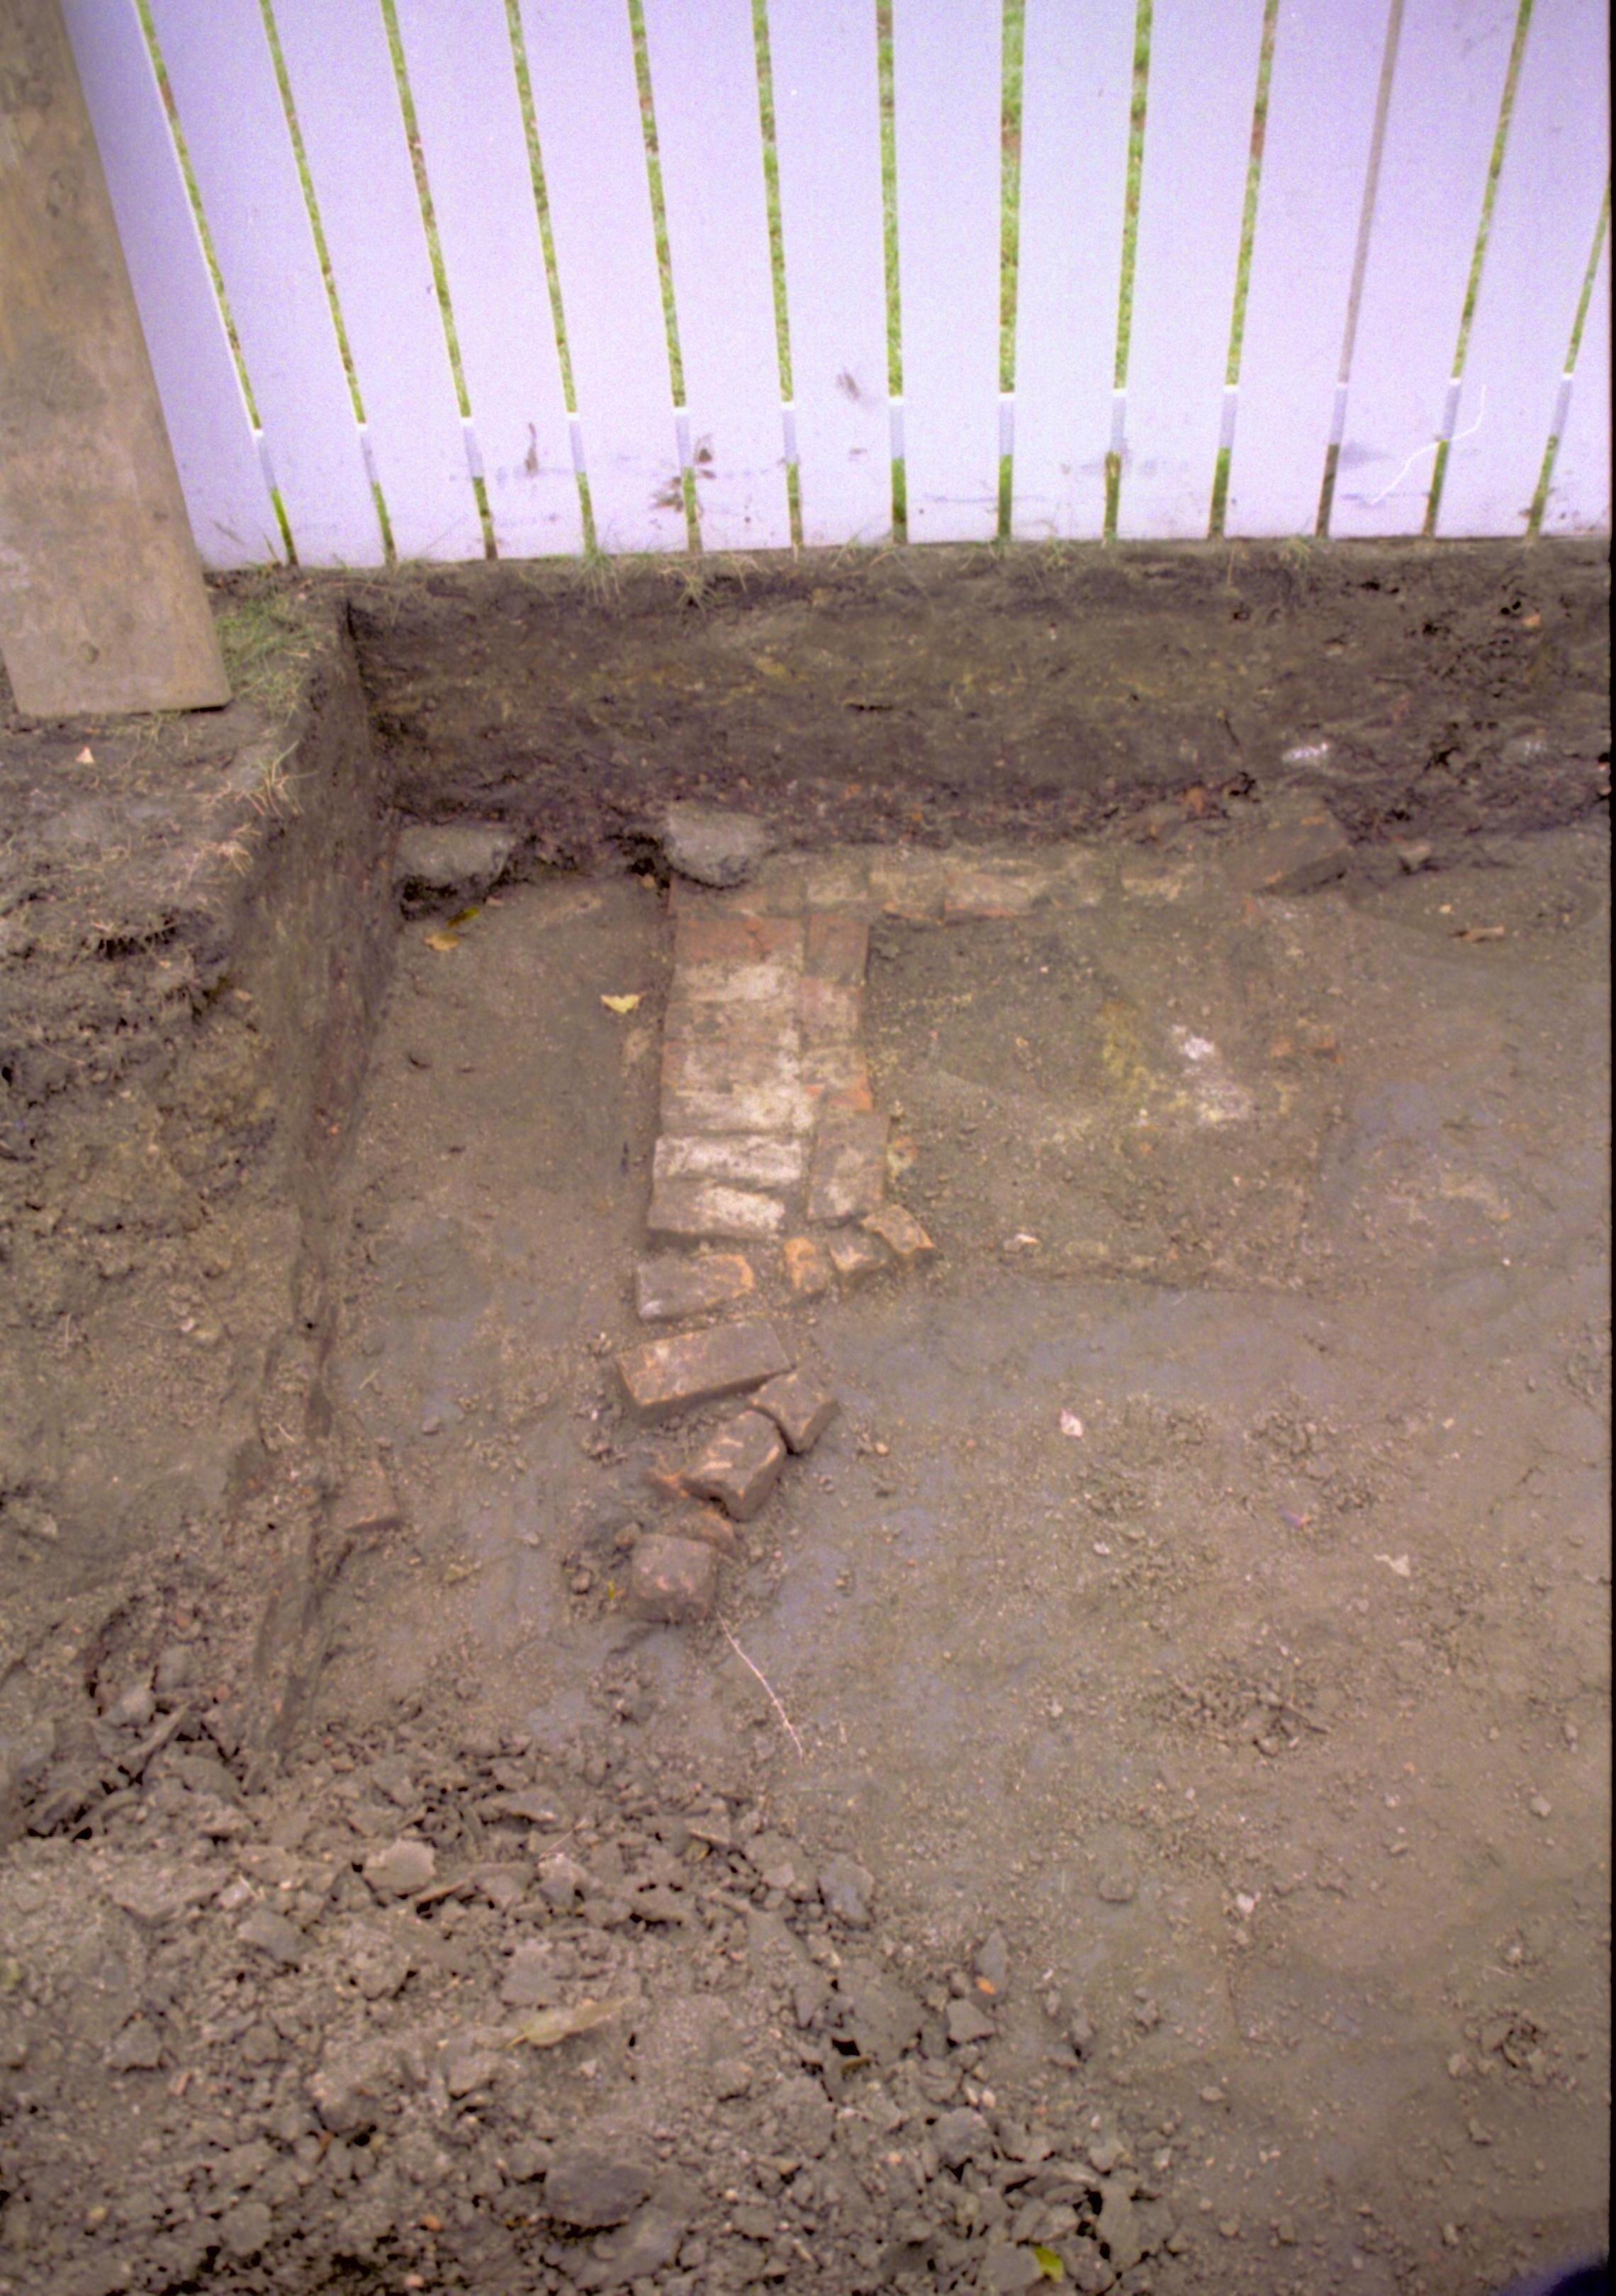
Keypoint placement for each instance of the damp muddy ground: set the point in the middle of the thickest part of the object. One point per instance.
(1140, 1814)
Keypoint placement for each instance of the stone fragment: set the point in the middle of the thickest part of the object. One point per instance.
(1008, 2269)
(901, 1233)
(745, 1160)
(561, 1881)
(967, 2022)
(697, 1209)
(807, 1270)
(404, 1867)
(669, 1376)
(274, 1935)
(712, 846)
(1299, 847)
(857, 1258)
(670, 1287)
(136, 2049)
(590, 2188)
(739, 1466)
(154, 1894)
(961, 2136)
(798, 1406)
(847, 1167)
(707, 1528)
(529, 1981)
(366, 1503)
(991, 1965)
(674, 1581)
(245, 2229)
(464, 858)
(845, 1889)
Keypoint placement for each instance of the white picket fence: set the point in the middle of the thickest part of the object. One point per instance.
(1380, 125)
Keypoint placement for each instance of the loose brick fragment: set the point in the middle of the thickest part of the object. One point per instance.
(847, 1167)
(673, 1580)
(856, 1258)
(807, 1270)
(670, 1287)
(799, 1407)
(746, 1160)
(700, 1366)
(706, 1207)
(901, 1232)
(707, 1528)
(739, 1466)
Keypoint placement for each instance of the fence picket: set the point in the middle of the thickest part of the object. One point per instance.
(220, 70)
(1453, 56)
(1321, 98)
(587, 106)
(1199, 101)
(710, 136)
(1549, 190)
(468, 111)
(1077, 87)
(1579, 484)
(215, 452)
(947, 70)
(827, 133)
(347, 101)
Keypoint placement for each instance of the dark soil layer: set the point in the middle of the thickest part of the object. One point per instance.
(1429, 689)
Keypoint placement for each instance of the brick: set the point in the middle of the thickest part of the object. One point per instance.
(807, 1269)
(667, 1375)
(698, 1210)
(837, 948)
(990, 889)
(746, 1160)
(857, 1257)
(739, 1466)
(848, 1167)
(718, 936)
(672, 1287)
(703, 1020)
(837, 1080)
(831, 1012)
(707, 1528)
(901, 1233)
(673, 1580)
(714, 1105)
(728, 1065)
(799, 1407)
(837, 880)
(910, 885)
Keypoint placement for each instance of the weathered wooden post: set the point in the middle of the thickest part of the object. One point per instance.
(101, 602)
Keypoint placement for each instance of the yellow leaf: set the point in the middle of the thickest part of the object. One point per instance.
(465, 916)
(1048, 2263)
(619, 1004)
(443, 942)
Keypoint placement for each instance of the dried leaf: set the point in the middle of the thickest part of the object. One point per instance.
(1398, 1564)
(621, 1003)
(465, 916)
(443, 942)
(86, 757)
(546, 2027)
(1070, 1424)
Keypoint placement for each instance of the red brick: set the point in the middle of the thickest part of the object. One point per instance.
(675, 1286)
(673, 1580)
(722, 938)
(800, 1409)
(837, 1081)
(695, 1209)
(837, 949)
(707, 1528)
(847, 1167)
(807, 1270)
(856, 1258)
(832, 1011)
(739, 1466)
(901, 1233)
(701, 1367)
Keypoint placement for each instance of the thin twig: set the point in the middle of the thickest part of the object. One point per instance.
(785, 1719)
